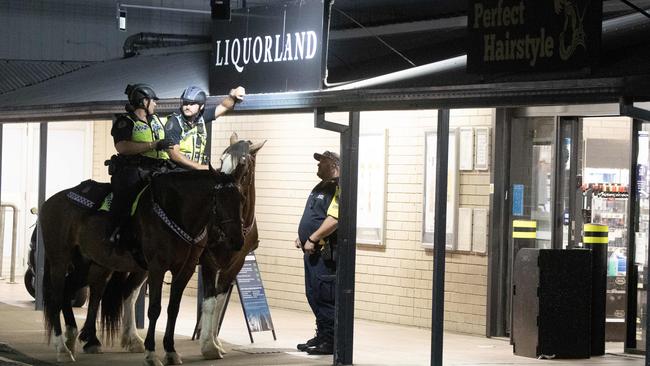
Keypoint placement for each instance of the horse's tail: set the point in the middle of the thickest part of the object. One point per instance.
(112, 300)
(49, 311)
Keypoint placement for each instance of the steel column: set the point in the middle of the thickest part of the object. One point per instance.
(497, 293)
(40, 253)
(632, 274)
(346, 246)
(439, 236)
(347, 233)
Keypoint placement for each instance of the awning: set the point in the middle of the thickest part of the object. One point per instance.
(168, 74)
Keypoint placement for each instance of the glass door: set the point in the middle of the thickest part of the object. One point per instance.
(531, 188)
(568, 171)
(637, 260)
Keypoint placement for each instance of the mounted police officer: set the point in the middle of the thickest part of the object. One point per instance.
(186, 128)
(142, 148)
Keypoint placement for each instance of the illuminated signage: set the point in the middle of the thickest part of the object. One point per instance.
(533, 35)
(271, 49)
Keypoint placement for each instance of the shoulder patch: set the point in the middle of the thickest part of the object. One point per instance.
(121, 123)
(171, 121)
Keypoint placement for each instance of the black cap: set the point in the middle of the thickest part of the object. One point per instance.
(330, 155)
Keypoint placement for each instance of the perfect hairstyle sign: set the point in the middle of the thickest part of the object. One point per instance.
(533, 35)
(271, 49)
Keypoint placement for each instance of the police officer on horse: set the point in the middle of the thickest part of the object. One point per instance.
(186, 128)
(139, 138)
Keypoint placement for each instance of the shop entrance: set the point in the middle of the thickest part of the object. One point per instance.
(568, 171)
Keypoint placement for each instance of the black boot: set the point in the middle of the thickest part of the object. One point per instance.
(324, 348)
(310, 343)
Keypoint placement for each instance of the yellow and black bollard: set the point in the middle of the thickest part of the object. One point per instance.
(596, 238)
(524, 229)
(524, 233)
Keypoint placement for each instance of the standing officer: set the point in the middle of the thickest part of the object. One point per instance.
(317, 238)
(139, 138)
(186, 128)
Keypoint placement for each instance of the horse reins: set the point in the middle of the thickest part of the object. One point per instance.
(192, 241)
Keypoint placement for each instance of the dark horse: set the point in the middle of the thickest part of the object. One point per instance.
(220, 270)
(170, 224)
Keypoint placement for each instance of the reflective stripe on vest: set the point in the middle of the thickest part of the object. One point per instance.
(193, 140)
(524, 229)
(596, 234)
(144, 132)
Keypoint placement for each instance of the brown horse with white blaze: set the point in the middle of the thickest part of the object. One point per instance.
(220, 270)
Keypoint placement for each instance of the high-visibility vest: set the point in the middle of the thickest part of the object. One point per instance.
(148, 132)
(193, 139)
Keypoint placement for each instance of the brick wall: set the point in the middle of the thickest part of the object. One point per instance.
(393, 280)
(103, 149)
(613, 128)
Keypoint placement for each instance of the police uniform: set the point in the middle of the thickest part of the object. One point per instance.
(320, 269)
(131, 171)
(190, 136)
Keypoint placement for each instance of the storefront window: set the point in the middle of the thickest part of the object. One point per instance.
(430, 189)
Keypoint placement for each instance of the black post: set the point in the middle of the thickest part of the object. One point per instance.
(596, 238)
(40, 253)
(499, 228)
(346, 246)
(439, 238)
(632, 275)
(524, 234)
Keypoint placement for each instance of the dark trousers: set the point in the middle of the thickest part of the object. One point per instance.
(320, 287)
(126, 183)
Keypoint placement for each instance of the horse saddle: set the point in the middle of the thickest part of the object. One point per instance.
(91, 195)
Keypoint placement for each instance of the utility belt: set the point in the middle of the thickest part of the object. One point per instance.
(118, 162)
(328, 252)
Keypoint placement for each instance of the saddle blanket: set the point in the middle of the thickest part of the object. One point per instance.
(91, 195)
(96, 196)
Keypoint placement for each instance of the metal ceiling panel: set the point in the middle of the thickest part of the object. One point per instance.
(168, 74)
(16, 74)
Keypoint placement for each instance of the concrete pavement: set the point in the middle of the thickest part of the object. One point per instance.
(375, 343)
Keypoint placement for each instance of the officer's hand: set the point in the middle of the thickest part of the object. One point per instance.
(238, 94)
(309, 247)
(298, 243)
(164, 144)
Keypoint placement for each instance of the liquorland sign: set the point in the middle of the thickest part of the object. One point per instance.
(271, 49)
(533, 35)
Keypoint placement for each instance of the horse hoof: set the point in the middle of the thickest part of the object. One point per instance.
(133, 344)
(64, 357)
(220, 346)
(172, 358)
(94, 349)
(71, 339)
(212, 352)
(150, 359)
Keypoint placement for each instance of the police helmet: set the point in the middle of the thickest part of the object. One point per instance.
(138, 92)
(193, 94)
